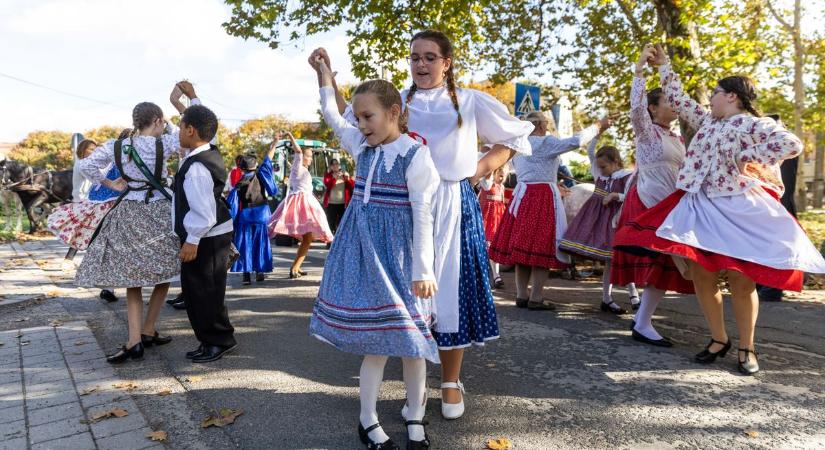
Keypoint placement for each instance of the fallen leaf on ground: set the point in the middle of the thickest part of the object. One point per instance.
(114, 412)
(751, 433)
(25, 342)
(491, 365)
(499, 444)
(225, 417)
(193, 379)
(53, 294)
(56, 323)
(165, 392)
(157, 435)
(19, 334)
(89, 390)
(79, 342)
(127, 385)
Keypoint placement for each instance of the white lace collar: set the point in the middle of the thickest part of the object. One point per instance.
(393, 150)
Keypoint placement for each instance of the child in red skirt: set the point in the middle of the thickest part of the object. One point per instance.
(590, 234)
(491, 199)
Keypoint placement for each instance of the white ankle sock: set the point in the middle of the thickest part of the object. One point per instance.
(607, 287)
(369, 383)
(632, 292)
(415, 378)
(651, 297)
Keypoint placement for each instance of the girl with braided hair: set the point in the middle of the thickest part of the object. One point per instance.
(451, 121)
(725, 217)
(135, 244)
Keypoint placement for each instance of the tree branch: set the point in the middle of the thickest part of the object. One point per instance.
(638, 32)
(779, 18)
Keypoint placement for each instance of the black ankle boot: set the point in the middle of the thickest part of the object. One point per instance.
(135, 353)
(707, 357)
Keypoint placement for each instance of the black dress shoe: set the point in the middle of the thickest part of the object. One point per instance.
(211, 353)
(135, 353)
(194, 353)
(247, 279)
(259, 276)
(179, 305)
(707, 357)
(372, 445)
(663, 342)
(294, 275)
(155, 339)
(178, 299)
(615, 309)
(521, 302)
(418, 445)
(108, 295)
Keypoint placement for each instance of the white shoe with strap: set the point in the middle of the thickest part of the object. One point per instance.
(452, 411)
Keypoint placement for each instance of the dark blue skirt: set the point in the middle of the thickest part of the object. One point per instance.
(477, 321)
(252, 241)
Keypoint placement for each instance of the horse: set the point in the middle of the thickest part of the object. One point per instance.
(36, 188)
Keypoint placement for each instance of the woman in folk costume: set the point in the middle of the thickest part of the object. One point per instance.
(491, 200)
(300, 214)
(135, 245)
(726, 217)
(451, 121)
(659, 154)
(590, 234)
(250, 212)
(535, 221)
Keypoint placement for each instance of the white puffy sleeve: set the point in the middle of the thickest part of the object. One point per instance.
(94, 166)
(591, 155)
(422, 182)
(497, 127)
(349, 135)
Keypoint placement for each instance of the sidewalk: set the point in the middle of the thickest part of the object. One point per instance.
(54, 383)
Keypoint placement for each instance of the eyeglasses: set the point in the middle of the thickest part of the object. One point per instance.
(428, 58)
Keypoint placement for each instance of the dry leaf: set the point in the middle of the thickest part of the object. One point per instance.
(157, 435)
(52, 294)
(165, 392)
(89, 390)
(79, 342)
(127, 385)
(114, 412)
(226, 417)
(193, 379)
(56, 323)
(752, 433)
(25, 342)
(499, 444)
(491, 365)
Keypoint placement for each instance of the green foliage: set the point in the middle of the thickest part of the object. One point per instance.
(580, 171)
(48, 149)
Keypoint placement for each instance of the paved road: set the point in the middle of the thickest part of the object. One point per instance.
(566, 379)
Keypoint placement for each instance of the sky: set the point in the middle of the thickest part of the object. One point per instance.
(117, 53)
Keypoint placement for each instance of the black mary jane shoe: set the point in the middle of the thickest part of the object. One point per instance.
(498, 283)
(614, 309)
(212, 353)
(195, 352)
(155, 339)
(637, 304)
(639, 337)
(363, 433)
(522, 302)
(707, 357)
(748, 367)
(108, 295)
(418, 445)
(259, 277)
(135, 354)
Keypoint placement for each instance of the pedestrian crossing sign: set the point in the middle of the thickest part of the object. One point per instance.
(527, 99)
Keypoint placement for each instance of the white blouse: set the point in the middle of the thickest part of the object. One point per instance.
(543, 165)
(421, 175)
(300, 180)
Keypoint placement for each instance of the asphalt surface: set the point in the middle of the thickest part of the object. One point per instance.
(566, 379)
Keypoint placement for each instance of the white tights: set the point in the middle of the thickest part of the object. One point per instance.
(415, 378)
(651, 297)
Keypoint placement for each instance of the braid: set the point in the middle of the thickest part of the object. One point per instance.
(746, 103)
(453, 95)
(410, 94)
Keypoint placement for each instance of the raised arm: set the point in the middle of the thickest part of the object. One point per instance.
(321, 53)
(297, 158)
(349, 135)
(690, 111)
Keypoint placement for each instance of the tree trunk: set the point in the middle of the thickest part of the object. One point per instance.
(819, 170)
(677, 29)
(799, 103)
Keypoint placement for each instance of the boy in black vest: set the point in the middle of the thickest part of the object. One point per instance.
(203, 223)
